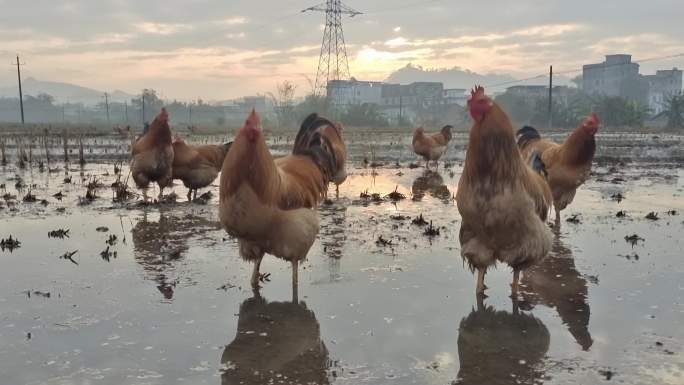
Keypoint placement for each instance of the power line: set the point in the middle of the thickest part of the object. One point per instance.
(405, 6)
(566, 72)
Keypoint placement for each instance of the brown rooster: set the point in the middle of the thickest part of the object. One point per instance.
(197, 166)
(431, 147)
(153, 155)
(503, 202)
(270, 204)
(566, 166)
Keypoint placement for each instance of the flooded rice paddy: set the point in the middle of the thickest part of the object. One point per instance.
(157, 294)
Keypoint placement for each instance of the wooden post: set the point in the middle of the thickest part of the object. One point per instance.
(66, 145)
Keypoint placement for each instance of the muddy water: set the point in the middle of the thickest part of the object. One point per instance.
(168, 300)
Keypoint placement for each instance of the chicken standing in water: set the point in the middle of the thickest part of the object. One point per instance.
(197, 166)
(431, 147)
(567, 165)
(270, 204)
(503, 202)
(153, 156)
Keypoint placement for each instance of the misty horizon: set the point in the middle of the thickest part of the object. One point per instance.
(221, 51)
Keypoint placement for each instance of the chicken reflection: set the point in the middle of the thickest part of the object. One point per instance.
(430, 182)
(157, 246)
(556, 283)
(498, 347)
(276, 342)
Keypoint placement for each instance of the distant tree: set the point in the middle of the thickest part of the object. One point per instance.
(519, 108)
(366, 114)
(45, 98)
(674, 110)
(313, 103)
(616, 111)
(152, 103)
(577, 81)
(283, 103)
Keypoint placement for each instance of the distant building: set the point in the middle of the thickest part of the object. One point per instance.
(410, 101)
(354, 92)
(395, 101)
(619, 76)
(529, 92)
(456, 96)
(533, 93)
(661, 86)
(616, 76)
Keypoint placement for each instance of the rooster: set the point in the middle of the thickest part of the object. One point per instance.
(568, 165)
(197, 166)
(503, 202)
(153, 155)
(431, 147)
(270, 204)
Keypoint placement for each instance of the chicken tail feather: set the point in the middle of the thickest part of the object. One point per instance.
(538, 165)
(310, 142)
(526, 135)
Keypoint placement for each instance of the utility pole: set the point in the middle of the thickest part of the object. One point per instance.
(550, 96)
(190, 114)
(21, 95)
(143, 107)
(126, 111)
(401, 108)
(63, 112)
(106, 96)
(332, 61)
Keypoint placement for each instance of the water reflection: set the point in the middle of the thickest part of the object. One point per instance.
(157, 246)
(498, 347)
(276, 342)
(333, 236)
(555, 282)
(430, 182)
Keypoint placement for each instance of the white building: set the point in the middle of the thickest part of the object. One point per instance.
(354, 92)
(661, 86)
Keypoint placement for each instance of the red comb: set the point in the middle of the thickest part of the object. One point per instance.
(595, 119)
(476, 92)
(163, 115)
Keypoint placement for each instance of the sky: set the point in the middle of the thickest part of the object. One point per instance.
(187, 49)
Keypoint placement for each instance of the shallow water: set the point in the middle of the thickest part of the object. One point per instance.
(173, 304)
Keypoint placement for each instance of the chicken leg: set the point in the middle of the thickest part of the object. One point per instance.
(295, 281)
(558, 218)
(481, 287)
(516, 283)
(255, 273)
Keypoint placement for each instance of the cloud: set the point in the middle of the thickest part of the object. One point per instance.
(247, 47)
(235, 20)
(161, 28)
(641, 45)
(549, 30)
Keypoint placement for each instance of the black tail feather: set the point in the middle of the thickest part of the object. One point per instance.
(538, 165)
(309, 142)
(526, 135)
